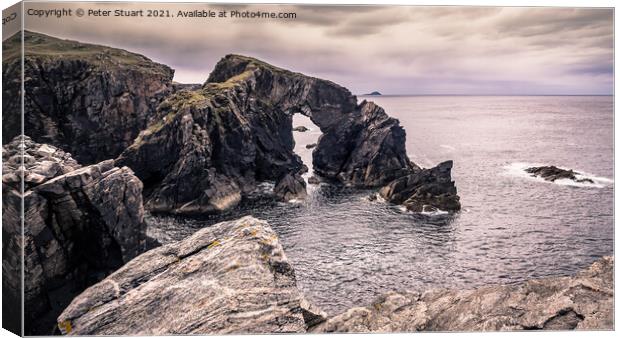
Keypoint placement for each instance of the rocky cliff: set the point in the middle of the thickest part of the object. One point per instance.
(80, 224)
(197, 149)
(230, 278)
(207, 148)
(87, 99)
(582, 302)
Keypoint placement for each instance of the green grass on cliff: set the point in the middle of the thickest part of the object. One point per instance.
(169, 109)
(252, 64)
(41, 46)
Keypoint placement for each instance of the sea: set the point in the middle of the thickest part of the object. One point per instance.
(347, 249)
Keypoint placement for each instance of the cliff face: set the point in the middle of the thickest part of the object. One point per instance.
(80, 224)
(87, 99)
(209, 147)
(230, 278)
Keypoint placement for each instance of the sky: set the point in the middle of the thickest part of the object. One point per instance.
(396, 50)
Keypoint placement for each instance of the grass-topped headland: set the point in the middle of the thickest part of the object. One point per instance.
(41, 46)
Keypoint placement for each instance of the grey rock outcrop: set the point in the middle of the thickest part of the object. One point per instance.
(364, 148)
(291, 186)
(218, 142)
(232, 277)
(582, 302)
(80, 224)
(552, 173)
(425, 190)
(300, 129)
(87, 99)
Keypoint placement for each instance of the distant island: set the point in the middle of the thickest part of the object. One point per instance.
(374, 93)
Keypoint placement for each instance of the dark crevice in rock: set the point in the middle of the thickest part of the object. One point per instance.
(565, 319)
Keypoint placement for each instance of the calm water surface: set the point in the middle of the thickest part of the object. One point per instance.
(347, 250)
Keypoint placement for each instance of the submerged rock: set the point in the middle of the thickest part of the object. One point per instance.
(230, 278)
(310, 146)
(582, 302)
(552, 173)
(290, 187)
(88, 99)
(80, 224)
(426, 190)
(219, 142)
(314, 180)
(300, 129)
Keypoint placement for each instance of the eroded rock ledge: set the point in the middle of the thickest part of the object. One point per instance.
(582, 302)
(232, 277)
(81, 223)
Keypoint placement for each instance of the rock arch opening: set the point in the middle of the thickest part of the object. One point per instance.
(306, 135)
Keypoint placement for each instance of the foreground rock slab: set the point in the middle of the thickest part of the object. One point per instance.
(232, 277)
(81, 223)
(582, 302)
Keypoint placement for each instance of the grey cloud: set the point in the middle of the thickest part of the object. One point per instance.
(402, 49)
(537, 21)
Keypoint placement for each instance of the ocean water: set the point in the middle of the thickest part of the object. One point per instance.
(347, 250)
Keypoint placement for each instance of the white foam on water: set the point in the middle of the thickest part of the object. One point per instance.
(448, 147)
(517, 169)
(436, 212)
(402, 208)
